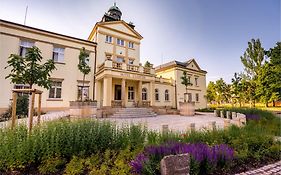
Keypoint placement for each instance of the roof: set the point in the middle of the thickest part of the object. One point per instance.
(45, 31)
(114, 7)
(175, 63)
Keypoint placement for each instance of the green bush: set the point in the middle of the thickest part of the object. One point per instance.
(51, 165)
(75, 166)
(64, 139)
(22, 109)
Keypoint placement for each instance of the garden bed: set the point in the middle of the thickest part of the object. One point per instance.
(95, 147)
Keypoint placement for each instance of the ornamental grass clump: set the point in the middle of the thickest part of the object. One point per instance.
(204, 159)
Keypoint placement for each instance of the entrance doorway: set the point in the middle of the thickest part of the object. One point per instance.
(117, 95)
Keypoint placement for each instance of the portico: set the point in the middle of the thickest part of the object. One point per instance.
(125, 92)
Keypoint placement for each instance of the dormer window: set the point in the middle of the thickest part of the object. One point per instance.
(131, 45)
(108, 39)
(120, 42)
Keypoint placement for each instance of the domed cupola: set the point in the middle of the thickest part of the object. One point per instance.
(114, 12)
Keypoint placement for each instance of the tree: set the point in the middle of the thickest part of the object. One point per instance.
(222, 91)
(27, 70)
(211, 92)
(236, 88)
(269, 81)
(83, 66)
(252, 60)
(185, 81)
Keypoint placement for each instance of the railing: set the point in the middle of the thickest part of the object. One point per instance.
(127, 67)
(116, 103)
(116, 65)
(132, 68)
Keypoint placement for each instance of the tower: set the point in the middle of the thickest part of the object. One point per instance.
(113, 14)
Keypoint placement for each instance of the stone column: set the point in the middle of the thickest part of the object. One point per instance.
(98, 93)
(228, 115)
(107, 91)
(140, 93)
(151, 92)
(192, 127)
(123, 92)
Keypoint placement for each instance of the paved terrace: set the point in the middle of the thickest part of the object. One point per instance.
(176, 122)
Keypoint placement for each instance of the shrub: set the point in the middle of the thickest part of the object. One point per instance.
(22, 109)
(51, 165)
(75, 166)
(65, 139)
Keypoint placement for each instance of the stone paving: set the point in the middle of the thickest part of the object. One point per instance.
(272, 169)
(176, 122)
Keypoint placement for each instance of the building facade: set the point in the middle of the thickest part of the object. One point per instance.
(117, 79)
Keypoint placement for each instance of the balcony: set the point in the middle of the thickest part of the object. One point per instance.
(109, 64)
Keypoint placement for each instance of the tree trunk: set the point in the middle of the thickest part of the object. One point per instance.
(273, 103)
(266, 104)
(82, 88)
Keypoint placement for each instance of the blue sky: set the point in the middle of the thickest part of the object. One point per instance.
(214, 32)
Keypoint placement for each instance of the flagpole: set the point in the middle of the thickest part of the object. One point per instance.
(25, 14)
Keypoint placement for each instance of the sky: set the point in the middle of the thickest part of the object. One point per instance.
(214, 32)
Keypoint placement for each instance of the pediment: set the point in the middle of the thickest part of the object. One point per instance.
(122, 27)
(192, 64)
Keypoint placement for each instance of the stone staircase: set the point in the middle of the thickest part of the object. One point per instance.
(134, 113)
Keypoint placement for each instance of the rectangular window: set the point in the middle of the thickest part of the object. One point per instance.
(131, 93)
(58, 54)
(24, 45)
(120, 60)
(196, 81)
(131, 61)
(197, 97)
(55, 90)
(108, 39)
(131, 45)
(83, 91)
(120, 42)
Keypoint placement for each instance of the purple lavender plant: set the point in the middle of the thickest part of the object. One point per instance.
(200, 152)
(252, 117)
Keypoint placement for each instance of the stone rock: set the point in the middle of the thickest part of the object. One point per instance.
(175, 165)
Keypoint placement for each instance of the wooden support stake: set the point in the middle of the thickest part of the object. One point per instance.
(14, 109)
(39, 108)
(30, 117)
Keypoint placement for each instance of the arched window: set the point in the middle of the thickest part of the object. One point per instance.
(144, 94)
(166, 95)
(156, 95)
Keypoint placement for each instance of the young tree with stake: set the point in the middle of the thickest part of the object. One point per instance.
(83, 67)
(185, 81)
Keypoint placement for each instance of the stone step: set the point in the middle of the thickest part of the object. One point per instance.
(131, 116)
(134, 113)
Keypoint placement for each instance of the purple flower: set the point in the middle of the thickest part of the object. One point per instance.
(200, 152)
(138, 162)
(252, 117)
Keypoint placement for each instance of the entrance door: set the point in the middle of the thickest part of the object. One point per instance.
(117, 95)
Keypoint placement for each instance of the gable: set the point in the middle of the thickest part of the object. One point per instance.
(193, 65)
(117, 26)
